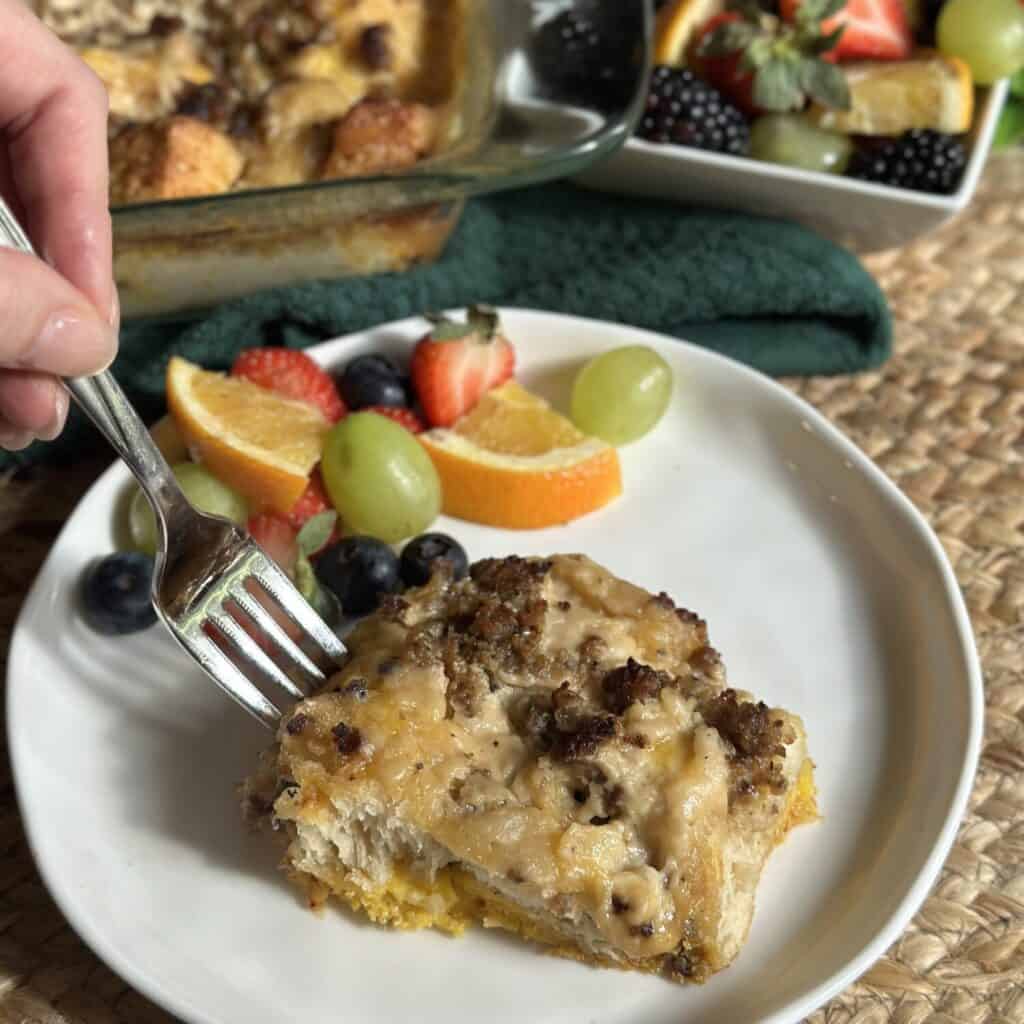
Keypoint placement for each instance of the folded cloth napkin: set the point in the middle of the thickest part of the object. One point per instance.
(769, 293)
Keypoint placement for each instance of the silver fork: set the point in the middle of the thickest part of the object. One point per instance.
(213, 587)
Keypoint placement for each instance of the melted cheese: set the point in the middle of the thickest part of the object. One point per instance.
(645, 838)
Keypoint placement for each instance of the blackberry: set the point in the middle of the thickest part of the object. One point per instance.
(923, 160)
(684, 111)
(584, 56)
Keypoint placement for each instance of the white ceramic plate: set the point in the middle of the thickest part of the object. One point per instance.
(823, 588)
(855, 213)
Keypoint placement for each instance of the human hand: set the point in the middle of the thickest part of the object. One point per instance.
(59, 316)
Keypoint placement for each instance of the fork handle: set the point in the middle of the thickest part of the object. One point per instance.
(103, 401)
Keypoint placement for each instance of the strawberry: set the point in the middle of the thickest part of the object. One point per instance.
(762, 63)
(293, 374)
(314, 500)
(405, 417)
(725, 72)
(456, 364)
(277, 538)
(871, 29)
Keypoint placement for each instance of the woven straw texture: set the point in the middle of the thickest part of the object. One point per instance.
(945, 420)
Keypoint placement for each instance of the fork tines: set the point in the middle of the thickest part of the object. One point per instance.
(256, 636)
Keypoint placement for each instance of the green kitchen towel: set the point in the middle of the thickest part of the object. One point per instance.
(766, 292)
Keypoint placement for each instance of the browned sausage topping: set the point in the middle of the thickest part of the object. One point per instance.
(561, 725)
(346, 739)
(680, 965)
(512, 577)
(705, 660)
(583, 738)
(749, 727)
(688, 618)
(632, 683)
(296, 724)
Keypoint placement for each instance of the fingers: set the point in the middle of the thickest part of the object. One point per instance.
(32, 405)
(53, 113)
(48, 325)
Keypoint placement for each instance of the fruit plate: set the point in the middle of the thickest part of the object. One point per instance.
(859, 214)
(824, 589)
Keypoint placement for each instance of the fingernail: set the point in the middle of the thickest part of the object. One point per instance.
(13, 440)
(72, 343)
(114, 318)
(60, 414)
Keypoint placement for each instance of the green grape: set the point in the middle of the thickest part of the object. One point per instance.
(988, 34)
(793, 140)
(201, 488)
(619, 396)
(380, 478)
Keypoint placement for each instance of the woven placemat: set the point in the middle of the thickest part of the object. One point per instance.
(945, 420)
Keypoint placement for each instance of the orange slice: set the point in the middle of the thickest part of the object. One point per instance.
(891, 97)
(515, 462)
(677, 24)
(262, 445)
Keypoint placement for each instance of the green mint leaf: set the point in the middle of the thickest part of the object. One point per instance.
(484, 320)
(1010, 129)
(1017, 84)
(826, 84)
(305, 579)
(760, 52)
(829, 41)
(813, 12)
(728, 38)
(777, 87)
(449, 330)
(316, 532)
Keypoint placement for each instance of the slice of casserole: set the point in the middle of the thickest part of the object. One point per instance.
(545, 748)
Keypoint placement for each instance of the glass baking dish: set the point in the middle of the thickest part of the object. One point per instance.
(511, 129)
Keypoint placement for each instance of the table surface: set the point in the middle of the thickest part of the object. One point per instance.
(945, 420)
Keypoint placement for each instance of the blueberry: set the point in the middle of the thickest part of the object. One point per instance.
(116, 594)
(359, 571)
(420, 554)
(373, 380)
(376, 363)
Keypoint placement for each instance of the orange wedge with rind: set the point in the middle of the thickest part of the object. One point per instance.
(514, 462)
(261, 444)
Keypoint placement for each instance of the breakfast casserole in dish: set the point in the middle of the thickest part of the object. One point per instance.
(544, 748)
(208, 97)
(262, 143)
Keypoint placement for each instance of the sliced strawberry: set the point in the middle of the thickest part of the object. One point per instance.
(277, 538)
(314, 500)
(456, 364)
(872, 29)
(404, 417)
(293, 374)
